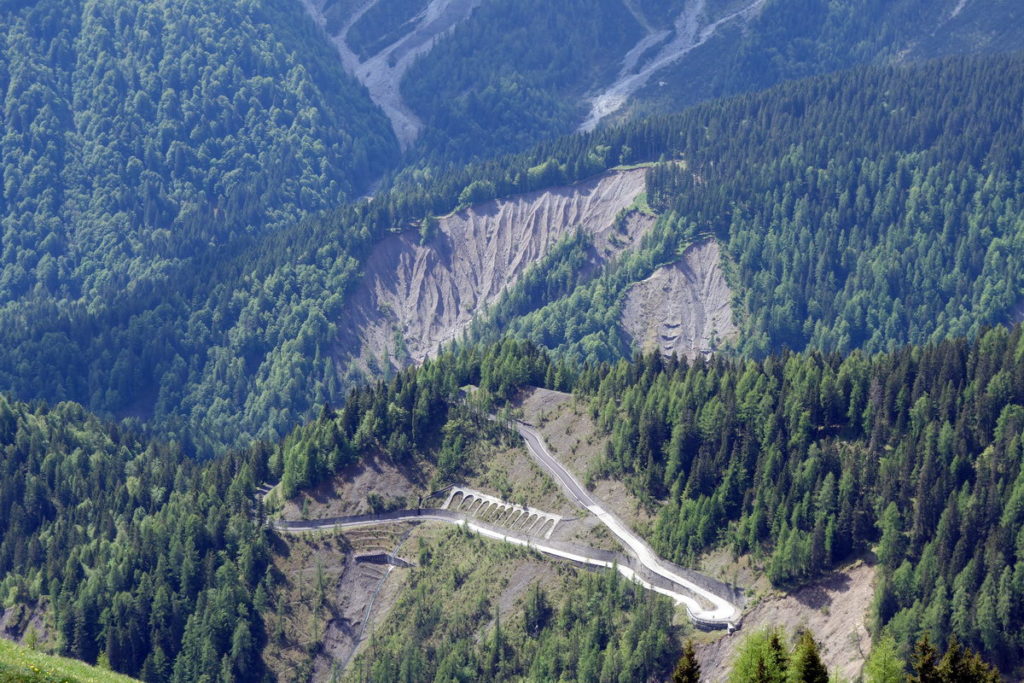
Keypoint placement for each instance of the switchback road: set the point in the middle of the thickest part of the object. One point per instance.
(705, 607)
(722, 612)
(626, 565)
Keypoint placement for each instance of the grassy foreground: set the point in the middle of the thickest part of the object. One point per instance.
(23, 665)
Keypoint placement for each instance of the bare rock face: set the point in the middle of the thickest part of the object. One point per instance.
(683, 308)
(414, 298)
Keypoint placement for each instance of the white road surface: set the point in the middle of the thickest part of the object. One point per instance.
(709, 608)
(722, 610)
(692, 606)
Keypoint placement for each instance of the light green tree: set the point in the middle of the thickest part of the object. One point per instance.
(884, 664)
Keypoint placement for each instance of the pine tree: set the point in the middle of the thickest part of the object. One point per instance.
(884, 664)
(924, 662)
(687, 670)
(806, 665)
(962, 665)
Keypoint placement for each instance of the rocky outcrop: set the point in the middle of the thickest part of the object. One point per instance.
(683, 308)
(414, 298)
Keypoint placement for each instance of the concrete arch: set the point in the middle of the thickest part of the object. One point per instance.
(498, 511)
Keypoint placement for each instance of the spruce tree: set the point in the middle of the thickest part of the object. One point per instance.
(806, 665)
(924, 662)
(687, 670)
(962, 665)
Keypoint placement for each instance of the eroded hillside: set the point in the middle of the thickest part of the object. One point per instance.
(416, 297)
(683, 308)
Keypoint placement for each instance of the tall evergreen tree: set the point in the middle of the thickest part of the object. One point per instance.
(924, 663)
(688, 669)
(806, 665)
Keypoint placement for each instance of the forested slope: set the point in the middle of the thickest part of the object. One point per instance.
(137, 140)
(913, 454)
(517, 71)
(806, 461)
(129, 548)
(811, 460)
(861, 210)
(136, 133)
(792, 39)
(900, 183)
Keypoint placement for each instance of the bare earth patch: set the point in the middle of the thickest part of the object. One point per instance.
(346, 493)
(17, 622)
(683, 308)
(573, 438)
(415, 297)
(511, 474)
(834, 609)
(322, 602)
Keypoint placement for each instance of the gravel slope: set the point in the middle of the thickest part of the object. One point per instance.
(683, 308)
(414, 298)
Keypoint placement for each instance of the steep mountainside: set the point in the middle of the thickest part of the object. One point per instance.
(800, 464)
(381, 65)
(864, 209)
(790, 39)
(683, 308)
(137, 135)
(465, 78)
(162, 564)
(847, 210)
(416, 296)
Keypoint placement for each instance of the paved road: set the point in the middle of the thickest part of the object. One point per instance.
(722, 611)
(581, 554)
(642, 564)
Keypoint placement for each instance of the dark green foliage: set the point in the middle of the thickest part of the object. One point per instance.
(687, 669)
(136, 133)
(537, 611)
(861, 210)
(584, 324)
(141, 554)
(958, 665)
(811, 460)
(515, 73)
(806, 665)
(962, 665)
(143, 144)
(236, 343)
(418, 414)
(791, 39)
(602, 627)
